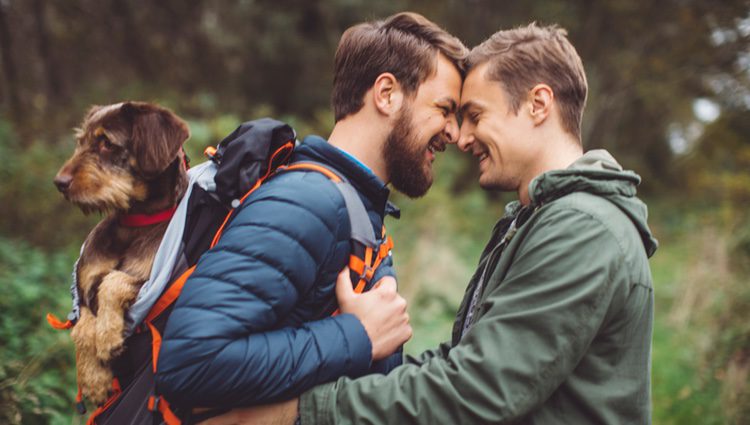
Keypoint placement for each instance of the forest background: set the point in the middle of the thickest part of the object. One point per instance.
(669, 97)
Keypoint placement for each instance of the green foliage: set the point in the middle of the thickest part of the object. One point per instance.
(37, 373)
(718, 168)
(701, 335)
(30, 206)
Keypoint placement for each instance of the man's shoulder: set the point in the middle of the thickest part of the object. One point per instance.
(296, 200)
(591, 210)
(308, 186)
(589, 206)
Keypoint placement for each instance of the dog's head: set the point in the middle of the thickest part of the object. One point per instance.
(120, 149)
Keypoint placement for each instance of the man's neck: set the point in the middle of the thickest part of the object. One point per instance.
(559, 155)
(358, 139)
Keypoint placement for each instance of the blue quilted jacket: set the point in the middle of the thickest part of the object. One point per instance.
(249, 326)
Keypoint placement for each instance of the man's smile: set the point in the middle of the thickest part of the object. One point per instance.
(480, 153)
(437, 144)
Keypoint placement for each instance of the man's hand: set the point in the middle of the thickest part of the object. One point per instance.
(381, 310)
(284, 413)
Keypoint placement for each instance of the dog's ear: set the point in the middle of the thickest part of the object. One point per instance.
(93, 110)
(87, 119)
(156, 137)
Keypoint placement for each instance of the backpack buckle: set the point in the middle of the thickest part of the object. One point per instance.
(366, 274)
(153, 403)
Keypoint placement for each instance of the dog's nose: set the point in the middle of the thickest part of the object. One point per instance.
(62, 181)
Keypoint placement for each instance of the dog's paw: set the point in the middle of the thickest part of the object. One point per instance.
(84, 331)
(95, 379)
(109, 344)
(109, 336)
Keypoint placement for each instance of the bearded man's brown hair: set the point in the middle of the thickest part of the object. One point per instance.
(405, 44)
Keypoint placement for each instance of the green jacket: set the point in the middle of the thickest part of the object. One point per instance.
(561, 333)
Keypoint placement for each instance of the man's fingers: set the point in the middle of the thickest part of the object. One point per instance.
(387, 284)
(344, 290)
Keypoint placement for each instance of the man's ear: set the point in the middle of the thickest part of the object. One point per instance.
(541, 97)
(387, 94)
(156, 136)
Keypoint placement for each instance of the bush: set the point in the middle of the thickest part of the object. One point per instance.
(37, 365)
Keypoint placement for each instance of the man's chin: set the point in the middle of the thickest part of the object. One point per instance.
(413, 190)
(488, 184)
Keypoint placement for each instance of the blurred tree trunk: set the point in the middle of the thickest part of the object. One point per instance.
(55, 90)
(132, 42)
(9, 67)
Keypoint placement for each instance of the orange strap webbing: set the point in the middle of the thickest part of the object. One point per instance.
(361, 267)
(57, 323)
(315, 167)
(170, 296)
(115, 395)
(158, 403)
(366, 267)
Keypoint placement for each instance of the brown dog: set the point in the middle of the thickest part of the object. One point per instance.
(128, 164)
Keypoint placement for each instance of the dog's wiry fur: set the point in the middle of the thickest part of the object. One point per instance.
(128, 160)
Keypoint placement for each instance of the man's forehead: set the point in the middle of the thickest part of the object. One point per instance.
(445, 82)
(475, 87)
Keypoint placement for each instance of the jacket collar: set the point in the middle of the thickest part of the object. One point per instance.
(595, 172)
(315, 148)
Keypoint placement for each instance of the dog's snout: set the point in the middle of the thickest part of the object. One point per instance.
(62, 181)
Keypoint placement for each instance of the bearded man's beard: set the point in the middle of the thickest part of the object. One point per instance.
(405, 158)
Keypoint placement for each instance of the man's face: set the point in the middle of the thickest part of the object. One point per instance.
(426, 123)
(494, 134)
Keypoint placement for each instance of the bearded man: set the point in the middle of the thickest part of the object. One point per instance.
(251, 325)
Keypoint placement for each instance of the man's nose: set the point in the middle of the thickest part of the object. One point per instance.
(452, 130)
(465, 138)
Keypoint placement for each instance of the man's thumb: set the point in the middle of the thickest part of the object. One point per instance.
(344, 290)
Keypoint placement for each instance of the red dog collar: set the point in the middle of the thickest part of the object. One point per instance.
(141, 220)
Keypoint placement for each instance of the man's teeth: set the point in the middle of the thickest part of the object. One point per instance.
(431, 148)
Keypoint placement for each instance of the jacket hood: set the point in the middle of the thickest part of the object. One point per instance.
(598, 173)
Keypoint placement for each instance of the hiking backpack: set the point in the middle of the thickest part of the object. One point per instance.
(239, 164)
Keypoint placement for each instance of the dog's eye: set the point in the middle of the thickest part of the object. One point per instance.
(104, 143)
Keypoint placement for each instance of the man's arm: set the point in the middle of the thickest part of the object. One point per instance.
(381, 310)
(221, 347)
(441, 351)
(532, 331)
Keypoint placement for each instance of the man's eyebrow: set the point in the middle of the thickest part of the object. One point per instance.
(452, 103)
(468, 105)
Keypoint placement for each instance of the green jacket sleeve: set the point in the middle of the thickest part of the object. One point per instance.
(441, 351)
(533, 327)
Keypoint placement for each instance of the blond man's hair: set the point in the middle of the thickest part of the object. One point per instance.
(523, 57)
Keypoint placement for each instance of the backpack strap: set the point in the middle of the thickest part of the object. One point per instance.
(366, 254)
(280, 155)
(360, 222)
(116, 392)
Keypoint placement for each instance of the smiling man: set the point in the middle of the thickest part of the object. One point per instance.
(555, 326)
(251, 323)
